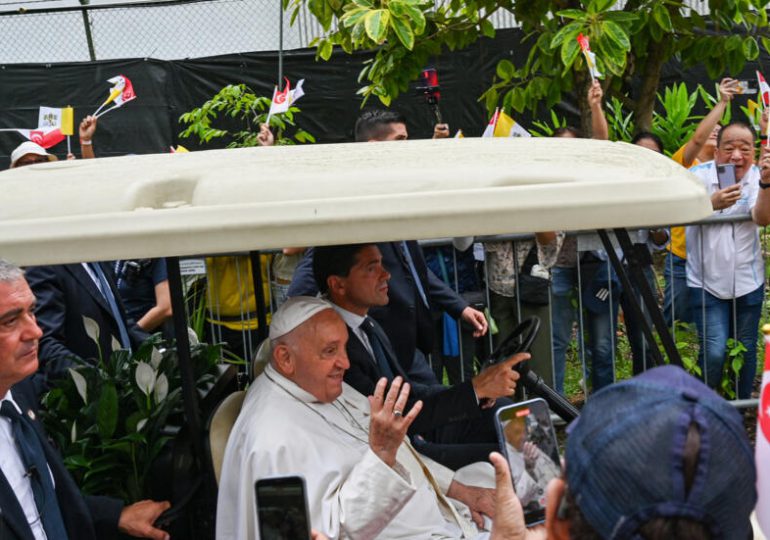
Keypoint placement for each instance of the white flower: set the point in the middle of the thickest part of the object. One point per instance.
(155, 357)
(161, 388)
(80, 384)
(92, 329)
(145, 377)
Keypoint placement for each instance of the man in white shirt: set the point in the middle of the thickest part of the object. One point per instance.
(363, 480)
(724, 261)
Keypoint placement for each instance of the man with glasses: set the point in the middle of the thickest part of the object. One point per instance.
(725, 271)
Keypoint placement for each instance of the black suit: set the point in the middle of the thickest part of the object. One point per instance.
(406, 319)
(85, 518)
(65, 294)
(451, 428)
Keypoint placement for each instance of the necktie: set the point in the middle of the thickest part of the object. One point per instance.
(413, 271)
(380, 356)
(104, 285)
(33, 457)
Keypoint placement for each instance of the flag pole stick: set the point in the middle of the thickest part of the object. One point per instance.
(69, 145)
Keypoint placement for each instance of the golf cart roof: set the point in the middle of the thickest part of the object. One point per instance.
(221, 201)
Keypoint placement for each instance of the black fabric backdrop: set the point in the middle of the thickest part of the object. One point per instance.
(166, 89)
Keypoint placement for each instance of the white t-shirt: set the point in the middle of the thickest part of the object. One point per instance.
(726, 259)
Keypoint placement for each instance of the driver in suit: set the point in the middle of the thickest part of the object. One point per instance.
(456, 425)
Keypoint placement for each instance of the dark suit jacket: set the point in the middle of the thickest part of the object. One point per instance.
(65, 294)
(86, 518)
(441, 405)
(405, 319)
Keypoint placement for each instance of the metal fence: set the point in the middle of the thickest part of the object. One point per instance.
(573, 340)
(42, 31)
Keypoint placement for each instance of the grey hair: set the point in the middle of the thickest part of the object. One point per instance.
(9, 272)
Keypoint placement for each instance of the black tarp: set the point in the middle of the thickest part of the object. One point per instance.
(166, 89)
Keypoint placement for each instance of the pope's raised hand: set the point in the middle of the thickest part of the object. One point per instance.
(389, 421)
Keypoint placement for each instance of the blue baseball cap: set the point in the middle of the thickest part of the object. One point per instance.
(625, 457)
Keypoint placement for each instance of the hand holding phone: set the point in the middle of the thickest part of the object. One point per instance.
(528, 441)
(726, 175)
(282, 508)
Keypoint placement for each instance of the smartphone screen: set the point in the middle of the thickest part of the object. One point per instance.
(726, 175)
(282, 508)
(527, 439)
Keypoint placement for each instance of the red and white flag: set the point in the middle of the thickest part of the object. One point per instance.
(589, 56)
(489, 131)
(764, 90)
(763, 447)
(285, 98)
(121, 93)
(45, 137)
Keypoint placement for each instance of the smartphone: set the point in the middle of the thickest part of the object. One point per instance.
(282, 508)
(528, 441)
(726, 175)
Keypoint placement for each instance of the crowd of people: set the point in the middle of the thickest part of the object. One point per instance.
(386, 449)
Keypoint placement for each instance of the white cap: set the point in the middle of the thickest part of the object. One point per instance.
(28, 147)
(294, 312)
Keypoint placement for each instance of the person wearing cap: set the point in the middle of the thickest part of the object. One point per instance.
(660, 456)
(29, 153)
(363, 479)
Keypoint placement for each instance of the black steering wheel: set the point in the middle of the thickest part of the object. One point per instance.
(519, 340)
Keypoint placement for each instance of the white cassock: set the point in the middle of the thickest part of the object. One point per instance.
(283, 430)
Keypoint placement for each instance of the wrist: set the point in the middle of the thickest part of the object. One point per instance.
(86, 142)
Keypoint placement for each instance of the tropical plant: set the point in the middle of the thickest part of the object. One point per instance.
(110, 418)
(633, 42)
(248, 111)
(544, 129)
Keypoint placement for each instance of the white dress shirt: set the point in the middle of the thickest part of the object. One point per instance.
(725, 258)
(16, 473)
(354, 321)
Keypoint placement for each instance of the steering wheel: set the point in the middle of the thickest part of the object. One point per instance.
(519, 340)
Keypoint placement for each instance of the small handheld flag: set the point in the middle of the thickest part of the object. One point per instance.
(589, 56)
(762, 451)
(285, 98)
(121, 93)
(489, 131)
(764, 90)
(508, 127)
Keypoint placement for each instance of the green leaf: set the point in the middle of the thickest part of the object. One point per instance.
(620, 16)
(577, 14)
(403, 31)
(325, 49)
(616, 34)
(568, 33)
(569, 52)
(376, 24)
(662, 17)
(505, 69)
(750, 48)
(418, 19)
(487, 28)
(107, 411)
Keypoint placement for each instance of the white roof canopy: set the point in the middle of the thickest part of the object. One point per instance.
(221, 201)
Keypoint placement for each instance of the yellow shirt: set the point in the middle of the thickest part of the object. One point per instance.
(678, 245)
(230, 296)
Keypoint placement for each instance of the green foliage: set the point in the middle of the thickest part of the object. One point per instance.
(109, 419)
(634, 42)
(544, 129)
(732, 367)
(239, 103)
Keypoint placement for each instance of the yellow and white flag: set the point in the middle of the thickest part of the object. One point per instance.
(508, 127)
(54, 117)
